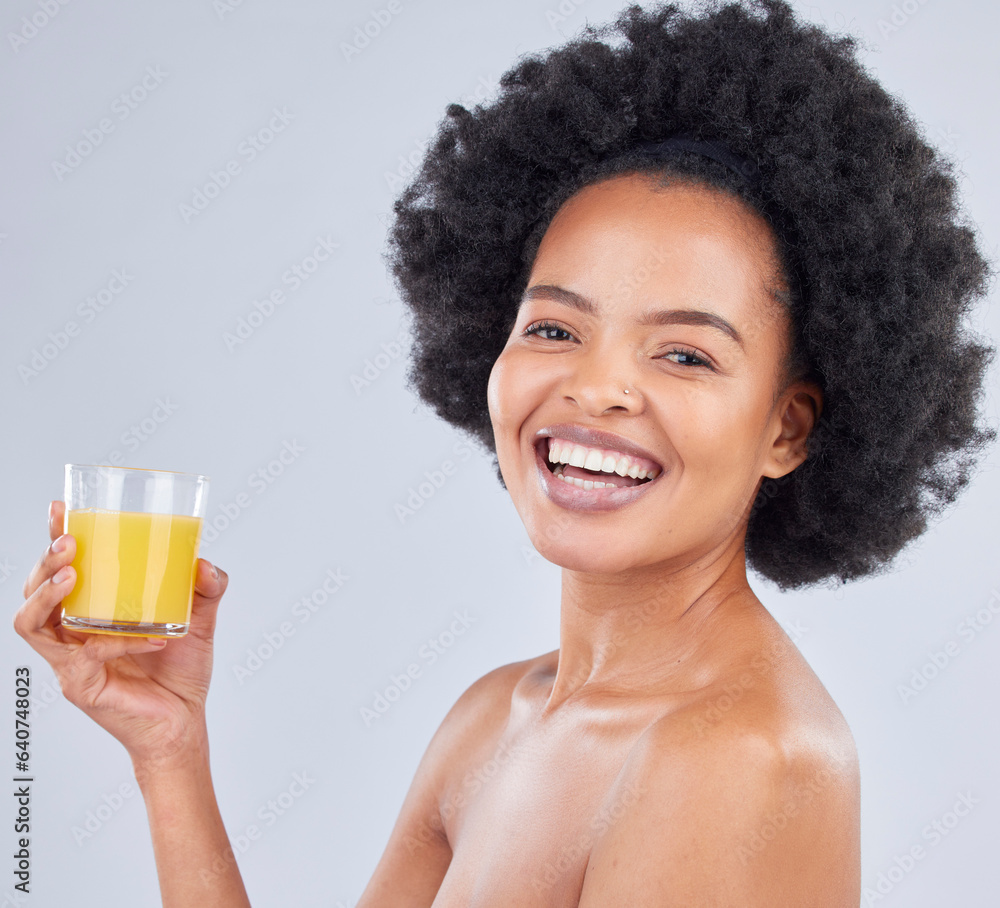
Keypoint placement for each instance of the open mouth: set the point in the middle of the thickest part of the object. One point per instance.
(588, 467)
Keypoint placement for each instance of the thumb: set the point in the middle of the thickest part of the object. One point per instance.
(209, 585)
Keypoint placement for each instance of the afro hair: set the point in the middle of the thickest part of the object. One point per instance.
(880, 264)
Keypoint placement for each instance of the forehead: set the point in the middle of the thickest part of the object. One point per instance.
(630, 241)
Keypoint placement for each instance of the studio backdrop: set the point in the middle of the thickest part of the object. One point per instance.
(193, 218)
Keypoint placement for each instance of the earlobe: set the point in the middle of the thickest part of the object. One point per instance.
(800, 408)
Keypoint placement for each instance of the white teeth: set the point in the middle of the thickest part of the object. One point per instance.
(596, 460)
(586, 484)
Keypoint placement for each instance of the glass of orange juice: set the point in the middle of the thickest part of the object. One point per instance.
(137, 535)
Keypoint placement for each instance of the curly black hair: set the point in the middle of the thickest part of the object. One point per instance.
(880, 263)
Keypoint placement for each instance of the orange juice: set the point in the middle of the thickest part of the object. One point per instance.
(135, 572)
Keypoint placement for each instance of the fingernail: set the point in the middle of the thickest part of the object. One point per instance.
(59, 544)
(61, 575)
(154, 641)
(215, 572)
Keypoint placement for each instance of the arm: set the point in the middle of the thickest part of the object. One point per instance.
(418, 853)
(194, 861)
(150, 695)
(734, 819)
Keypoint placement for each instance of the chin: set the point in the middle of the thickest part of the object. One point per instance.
(565, 549)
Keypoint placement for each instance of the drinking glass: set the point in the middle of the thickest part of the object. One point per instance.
(137, 535)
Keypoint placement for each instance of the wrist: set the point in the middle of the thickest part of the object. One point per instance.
(183, 752)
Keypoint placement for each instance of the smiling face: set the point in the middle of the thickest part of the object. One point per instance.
(665, 292)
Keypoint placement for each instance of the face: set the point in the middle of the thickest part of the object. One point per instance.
(666, 293)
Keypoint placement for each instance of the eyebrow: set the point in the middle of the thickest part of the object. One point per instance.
(656, 317)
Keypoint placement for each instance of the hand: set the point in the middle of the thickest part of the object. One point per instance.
(147, 692)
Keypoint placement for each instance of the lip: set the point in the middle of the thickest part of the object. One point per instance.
(569, 496)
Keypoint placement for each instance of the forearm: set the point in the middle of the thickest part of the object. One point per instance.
(194, 861)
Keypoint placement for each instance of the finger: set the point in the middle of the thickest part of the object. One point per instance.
(37, 619)
(61, 551)
(57, 511)
(100, 648)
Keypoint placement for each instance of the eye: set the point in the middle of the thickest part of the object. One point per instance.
(687, 357)
(547, 331)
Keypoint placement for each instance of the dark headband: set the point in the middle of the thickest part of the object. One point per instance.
(717, 151)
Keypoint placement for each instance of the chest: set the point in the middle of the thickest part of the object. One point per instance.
(524, 816)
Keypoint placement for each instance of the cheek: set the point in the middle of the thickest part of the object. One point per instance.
(713, 432)
(496, 393)
(503, 395)
(506, 415)
(512, 391)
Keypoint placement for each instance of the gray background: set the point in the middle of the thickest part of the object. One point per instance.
(333, 172)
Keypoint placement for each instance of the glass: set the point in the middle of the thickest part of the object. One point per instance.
(137, 535)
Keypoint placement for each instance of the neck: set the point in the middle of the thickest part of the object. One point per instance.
(651, 629)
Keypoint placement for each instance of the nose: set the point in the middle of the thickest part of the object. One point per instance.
(600, 382)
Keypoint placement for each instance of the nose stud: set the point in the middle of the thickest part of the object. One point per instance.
(626, 390)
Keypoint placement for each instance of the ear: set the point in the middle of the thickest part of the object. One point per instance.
(797, 410)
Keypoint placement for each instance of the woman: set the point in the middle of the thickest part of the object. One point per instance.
(712, 266)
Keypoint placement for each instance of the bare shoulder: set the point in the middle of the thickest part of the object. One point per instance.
(749, 795)
(487, 700)
(418, 853)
